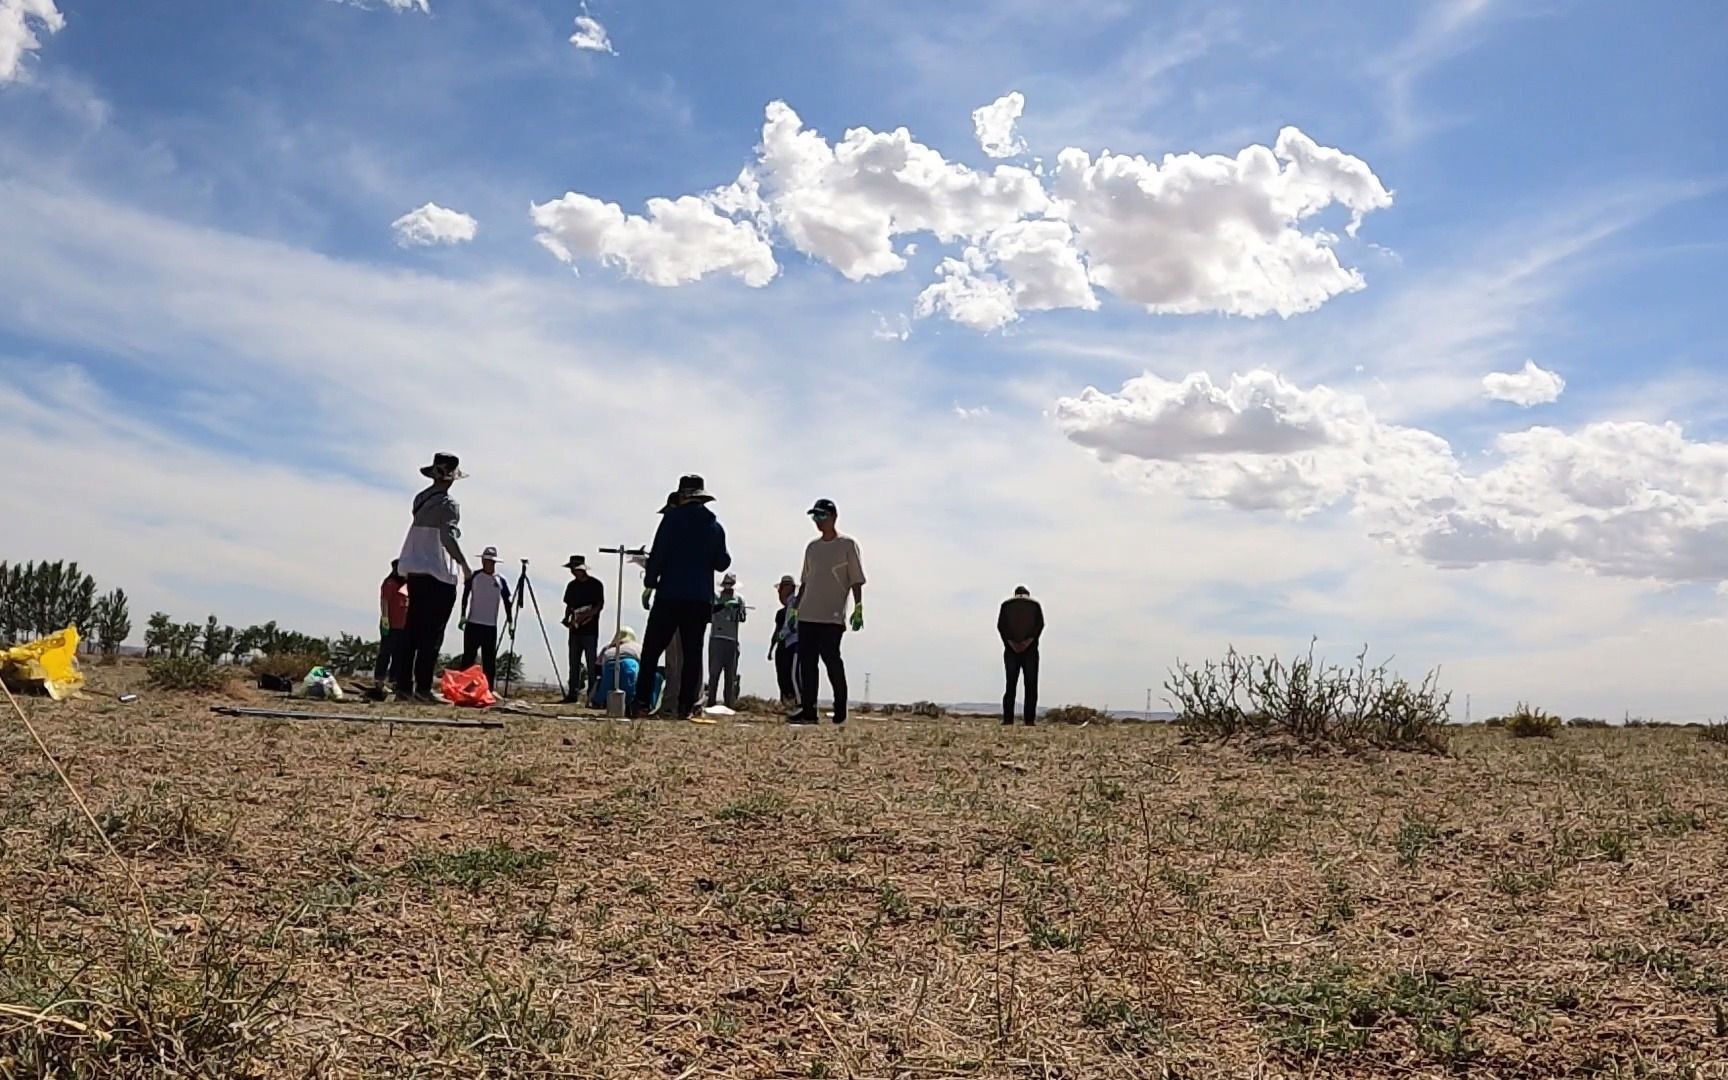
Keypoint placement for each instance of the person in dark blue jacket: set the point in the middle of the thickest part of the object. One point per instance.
(678, 591)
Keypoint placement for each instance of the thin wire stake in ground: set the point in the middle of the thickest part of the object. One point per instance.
(125, 867)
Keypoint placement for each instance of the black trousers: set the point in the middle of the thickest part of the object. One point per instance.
(584, 660)
(389, 646)
(482, 640)
(821, 641)
(1018, 664)
(687, 620)
(430, 603)
(785, 663)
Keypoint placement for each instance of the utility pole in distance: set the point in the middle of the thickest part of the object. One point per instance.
(866, 689)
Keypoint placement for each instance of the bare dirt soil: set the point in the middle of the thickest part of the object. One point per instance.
(897, 898)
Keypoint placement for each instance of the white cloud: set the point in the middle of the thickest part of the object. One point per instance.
(433, 224)
(845, 203)
(994, 125)
(1625, 499)
(969, 297)
(20, 23)
(899, 328)
(1216, 234)
(1261, 443)
(678, 241)
(1531, 386)
(975, 412)
(1188, 235)
(591, 36)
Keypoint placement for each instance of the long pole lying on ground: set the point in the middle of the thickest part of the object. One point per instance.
(357, 718)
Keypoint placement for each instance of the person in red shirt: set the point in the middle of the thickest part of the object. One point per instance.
(392, 621)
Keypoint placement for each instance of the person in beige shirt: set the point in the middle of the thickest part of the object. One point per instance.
(833, 570)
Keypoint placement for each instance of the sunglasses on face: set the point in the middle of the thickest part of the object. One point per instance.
(821, 517)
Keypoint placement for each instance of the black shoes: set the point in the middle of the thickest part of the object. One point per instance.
(801, 718)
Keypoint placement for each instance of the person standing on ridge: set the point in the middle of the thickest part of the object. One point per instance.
(481, 599)
(832, 569)
(1020, 624)
(783, 649)
(678, 591)
(729, 612)
(584, 600)
(431, 554)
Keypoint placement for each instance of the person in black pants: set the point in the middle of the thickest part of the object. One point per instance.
(833, 570)
(584, 600)
(1020, 624)
(783, 650)
(678, 591)
(429, 559)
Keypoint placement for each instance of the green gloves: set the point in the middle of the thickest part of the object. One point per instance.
(647, 599)
(858, 615)
(791, 621)
(383, 624)
(462, 623)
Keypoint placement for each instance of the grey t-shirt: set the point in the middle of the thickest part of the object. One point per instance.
(831, 568)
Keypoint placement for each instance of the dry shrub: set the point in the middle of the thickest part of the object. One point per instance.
(1311, 702)
(1714, 732)
(1586, 722)
(1526, 722)
(755, 705)
(1077, 714)
(285, 665)
(191, 673)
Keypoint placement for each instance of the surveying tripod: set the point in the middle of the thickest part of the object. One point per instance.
(525, 588)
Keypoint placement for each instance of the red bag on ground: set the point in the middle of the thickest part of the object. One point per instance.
(466, 688)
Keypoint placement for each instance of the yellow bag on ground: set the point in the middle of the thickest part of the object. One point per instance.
(52, 661)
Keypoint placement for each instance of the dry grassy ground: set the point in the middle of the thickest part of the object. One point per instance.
(897, 898)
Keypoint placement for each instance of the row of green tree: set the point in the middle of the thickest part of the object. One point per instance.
(42, 598)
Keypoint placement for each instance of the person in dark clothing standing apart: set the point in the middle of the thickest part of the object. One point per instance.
(430, 557)
(832, 568)
(783, 650)
(392, 625)
(484, 594)
(584, 600)
(1020, 624)
(678, 591)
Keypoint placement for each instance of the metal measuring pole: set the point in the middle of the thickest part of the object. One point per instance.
(615, 700)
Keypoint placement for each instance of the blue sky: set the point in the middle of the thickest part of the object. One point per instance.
(225, 366)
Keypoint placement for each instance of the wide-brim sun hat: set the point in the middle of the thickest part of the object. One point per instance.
(576, 562)
(444, 462)
(489, 555)
(692, 488)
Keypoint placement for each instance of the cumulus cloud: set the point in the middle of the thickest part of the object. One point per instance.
(1532, 386)
(1196, 234)
(1189, 234)
(433, 224)
(591, 36)
(845, 203)
(21, 21)
(1627, 499)
(678, 241)
(994, 125)
(1261, 443)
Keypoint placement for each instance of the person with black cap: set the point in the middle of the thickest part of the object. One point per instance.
(431, 554)
(584, 600)
(1020, 624)
(482, 597)
(783, 649)
(832, 569)
(678, 591)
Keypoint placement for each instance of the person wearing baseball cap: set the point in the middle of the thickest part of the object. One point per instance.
(430, 557)
(729, 614)
(584, 600)
(783, 649)
(481, 600)
(1020, 624)
(678, 591)
(832, 569)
